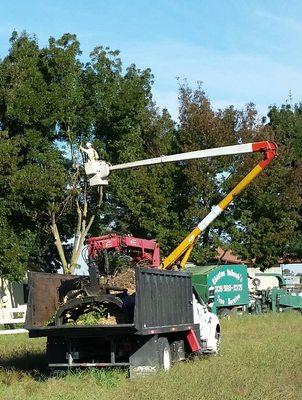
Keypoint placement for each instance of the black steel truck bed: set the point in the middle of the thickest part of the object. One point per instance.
(163, 303)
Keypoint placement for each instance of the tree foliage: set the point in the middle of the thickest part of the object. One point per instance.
(263, 224)
(68, 104)
(51, 103)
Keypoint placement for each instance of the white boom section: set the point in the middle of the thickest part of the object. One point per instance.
(218, 151)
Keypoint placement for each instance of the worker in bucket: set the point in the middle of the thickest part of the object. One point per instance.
(90, 151)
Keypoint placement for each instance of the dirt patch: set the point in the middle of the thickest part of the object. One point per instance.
(124, 279)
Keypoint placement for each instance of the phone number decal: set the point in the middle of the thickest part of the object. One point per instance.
(228, 288)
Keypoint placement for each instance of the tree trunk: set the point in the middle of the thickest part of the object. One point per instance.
(58, 244)
(81, 232)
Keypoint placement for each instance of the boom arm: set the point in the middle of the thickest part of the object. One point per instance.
(269, 150)
(98, 171)
(191, 155)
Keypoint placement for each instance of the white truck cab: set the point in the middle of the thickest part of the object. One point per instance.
(209, 326)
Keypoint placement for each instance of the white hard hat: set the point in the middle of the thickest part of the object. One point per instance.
(88, 144)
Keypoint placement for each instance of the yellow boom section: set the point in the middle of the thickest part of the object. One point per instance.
(182, 252)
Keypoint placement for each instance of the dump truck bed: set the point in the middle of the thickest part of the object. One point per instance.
(160, 321)
(163, 303)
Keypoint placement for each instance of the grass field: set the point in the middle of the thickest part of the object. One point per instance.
(261, 358)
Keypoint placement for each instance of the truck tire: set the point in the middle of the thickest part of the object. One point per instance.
(218, 341)
(164, 354)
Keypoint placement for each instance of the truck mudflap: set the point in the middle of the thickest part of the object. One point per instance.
(193, 341)
(145, 361)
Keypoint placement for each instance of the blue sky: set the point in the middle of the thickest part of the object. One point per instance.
(241, 50)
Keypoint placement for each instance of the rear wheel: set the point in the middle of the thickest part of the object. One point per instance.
(164, 354)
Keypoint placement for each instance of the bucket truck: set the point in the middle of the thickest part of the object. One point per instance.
(98, 171)
(163, 321)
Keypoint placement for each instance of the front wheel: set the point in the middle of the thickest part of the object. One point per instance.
(213, 343)
(217, 341)
(164, 354)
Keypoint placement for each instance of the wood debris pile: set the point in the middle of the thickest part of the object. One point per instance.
(123, 279)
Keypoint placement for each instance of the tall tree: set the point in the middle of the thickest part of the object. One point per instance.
(129, 127)
(286, 123)
(202, 181)
(264, 220)
(32, 170)
(266, 214)
(64, 75)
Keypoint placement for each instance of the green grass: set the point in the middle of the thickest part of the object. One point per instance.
(261, 358)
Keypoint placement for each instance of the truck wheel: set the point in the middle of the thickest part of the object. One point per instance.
(164, 354)
(216, 350)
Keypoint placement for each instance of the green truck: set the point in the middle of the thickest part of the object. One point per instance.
(226, 290)
(224, 287)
